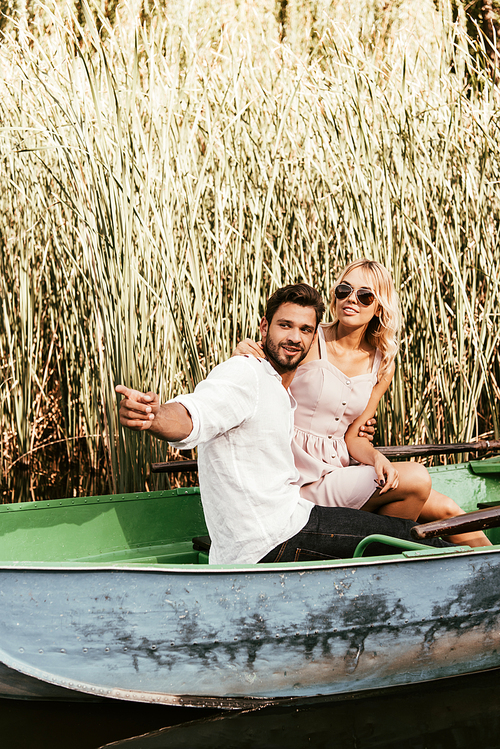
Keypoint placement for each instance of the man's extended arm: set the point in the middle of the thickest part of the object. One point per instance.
(141, 411)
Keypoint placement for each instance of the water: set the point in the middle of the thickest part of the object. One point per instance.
(454, 713)
(69, 725)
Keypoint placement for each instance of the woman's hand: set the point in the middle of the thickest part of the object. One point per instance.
(249, 348)
(387, 476)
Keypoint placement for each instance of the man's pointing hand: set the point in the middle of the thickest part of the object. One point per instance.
(137, 410)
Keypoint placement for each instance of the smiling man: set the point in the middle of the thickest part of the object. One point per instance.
(241, 419)
(288, 330)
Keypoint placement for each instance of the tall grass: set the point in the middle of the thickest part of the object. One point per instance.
(156, 187)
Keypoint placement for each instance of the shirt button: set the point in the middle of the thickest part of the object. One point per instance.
(336, 418)
(330, 436)
(347, 382)
(344, 403)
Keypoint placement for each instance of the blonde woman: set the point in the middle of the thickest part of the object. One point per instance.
(337, 388)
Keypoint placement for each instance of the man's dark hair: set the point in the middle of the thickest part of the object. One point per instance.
(297, 293)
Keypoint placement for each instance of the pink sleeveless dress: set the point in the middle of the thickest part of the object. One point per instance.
(327, 403)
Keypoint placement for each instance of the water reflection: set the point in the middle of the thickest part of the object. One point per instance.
(72, 725)
(450, 714)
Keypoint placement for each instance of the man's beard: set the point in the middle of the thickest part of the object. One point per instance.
(280, 359)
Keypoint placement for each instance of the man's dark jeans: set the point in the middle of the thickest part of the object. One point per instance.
(334, 533)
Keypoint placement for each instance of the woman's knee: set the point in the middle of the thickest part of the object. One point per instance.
(416, 480)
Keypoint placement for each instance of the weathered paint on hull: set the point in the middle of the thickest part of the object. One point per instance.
(193, 635)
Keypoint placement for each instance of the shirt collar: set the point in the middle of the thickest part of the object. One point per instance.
(270, 369)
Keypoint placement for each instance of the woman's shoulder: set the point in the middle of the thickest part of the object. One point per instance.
(386, 373)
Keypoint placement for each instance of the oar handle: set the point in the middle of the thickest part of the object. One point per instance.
(478, 520)
(422, 451)
(175, 466)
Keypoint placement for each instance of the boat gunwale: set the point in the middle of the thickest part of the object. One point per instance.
(219, 569)
(100, 499)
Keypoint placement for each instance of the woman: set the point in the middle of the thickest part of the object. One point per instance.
(337, 388)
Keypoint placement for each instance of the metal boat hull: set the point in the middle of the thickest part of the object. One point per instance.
(233, 637)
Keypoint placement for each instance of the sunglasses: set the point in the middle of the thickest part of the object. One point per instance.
(364, 296)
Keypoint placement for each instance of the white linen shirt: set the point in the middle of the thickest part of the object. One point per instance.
(243, 424)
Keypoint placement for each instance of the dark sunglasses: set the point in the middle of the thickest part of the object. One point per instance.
(363, 296)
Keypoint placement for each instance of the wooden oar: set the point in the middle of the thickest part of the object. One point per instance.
(175, 466)
(423, 451)
(478, 520)
(407, 451)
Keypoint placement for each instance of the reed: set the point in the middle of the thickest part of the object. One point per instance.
(158, 184)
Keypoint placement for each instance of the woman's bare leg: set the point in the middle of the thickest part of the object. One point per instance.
(408, 500)
(439, 507)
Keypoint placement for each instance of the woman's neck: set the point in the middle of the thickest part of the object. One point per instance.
(349, 351)
(348, 339)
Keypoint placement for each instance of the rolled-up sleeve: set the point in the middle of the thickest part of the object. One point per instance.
(226, 399)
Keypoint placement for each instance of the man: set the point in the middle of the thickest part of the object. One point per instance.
(241, 419)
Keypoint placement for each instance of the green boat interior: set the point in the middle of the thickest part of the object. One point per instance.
(159, 527)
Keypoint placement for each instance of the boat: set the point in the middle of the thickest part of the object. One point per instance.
(110, 597)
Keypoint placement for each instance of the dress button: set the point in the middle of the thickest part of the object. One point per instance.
(347, 382)
(336, 418)
(330, 437)
(344, 403)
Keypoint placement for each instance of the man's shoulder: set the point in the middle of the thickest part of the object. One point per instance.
(244, 367)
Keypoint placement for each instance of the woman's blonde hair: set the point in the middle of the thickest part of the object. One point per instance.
(383, 329)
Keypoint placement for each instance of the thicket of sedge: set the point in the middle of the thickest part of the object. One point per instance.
(159, 182)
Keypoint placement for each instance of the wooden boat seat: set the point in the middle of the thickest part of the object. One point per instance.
(201, 543)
